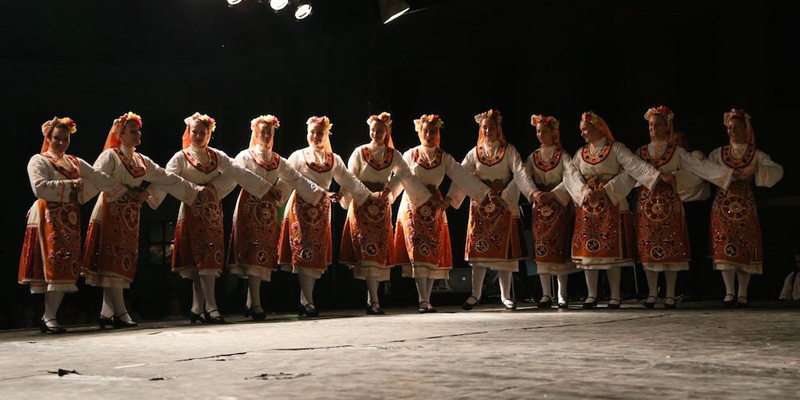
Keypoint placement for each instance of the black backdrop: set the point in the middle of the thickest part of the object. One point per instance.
(94, 60)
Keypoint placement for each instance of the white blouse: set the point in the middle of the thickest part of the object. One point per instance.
(136, 168)
(550, 172)
(432, 164)
(51, 185)
(508, 169)
(371, 163)
(322, 169)
(681, 161)
(622, 167)
(768, 172)
(275, 170)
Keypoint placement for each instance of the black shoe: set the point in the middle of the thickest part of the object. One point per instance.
(466, 306)
(613, 306)
(510, 306)
(729, 303)
(742, 304)
(563, 305)
(213, 320)
(50, 329)
(304, 310)
(194, 318)
(422, 307)
(648, 304)
(105, 321)
(120, 323)
(670, 306)
(545, 304)
(256, 316)
(373, 310)
(590, 304)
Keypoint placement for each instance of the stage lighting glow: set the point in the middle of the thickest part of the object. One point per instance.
(303, 10)
(392, 9)
(278, 5)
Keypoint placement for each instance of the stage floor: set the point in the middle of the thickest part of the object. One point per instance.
(693, 352)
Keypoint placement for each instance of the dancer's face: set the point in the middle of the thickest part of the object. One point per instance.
(131, 135)
(737, 130)
(316, 135)
(264, 134)
(590, 133)
(378, 131)
(545, 134)
(198, 132)
(659, 130)
(489, 130)
(59, 140)
(428, 134)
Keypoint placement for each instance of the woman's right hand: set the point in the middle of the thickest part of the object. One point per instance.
(333, 197)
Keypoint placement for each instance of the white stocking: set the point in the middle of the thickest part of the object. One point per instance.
(614, 275)
(108, 304)
(672, 277)
(372, 290)
(208, 283)
(728, 276)
(52, 300)
(198, 299)
(591, 283)
(253, 292)
(506, 279)
(546, 290)
(306, 289)
(744, 281)
(478, 273)
(652, 282)
(562, 287)
(422, 289)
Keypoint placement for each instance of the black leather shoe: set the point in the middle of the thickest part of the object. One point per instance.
(50, 329)
(256, 316)
(194, 318)
(668, 305)
(649, 304)
(422, 307)
(104, 322)
(588, 305)
(304, 310)
(466, 306)
(742, 304)
(563, 305)
(613, 306)
(373, 310)
(120, 323)
(510, 305)
(729, 303)
(213, 320)
(545, 304)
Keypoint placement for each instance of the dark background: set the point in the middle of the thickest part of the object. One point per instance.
(94, 60)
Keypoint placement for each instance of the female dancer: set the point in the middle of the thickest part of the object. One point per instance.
(50, 260)
(494, 232)
(599, 179)
(735, 228)
(552, 210)
(422, 237)
(253, 250)
(367, 244)
(305, 246)
(661, 233)
(199, 245)
(112, 242)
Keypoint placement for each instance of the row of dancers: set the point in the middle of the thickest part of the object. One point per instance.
(581, 218)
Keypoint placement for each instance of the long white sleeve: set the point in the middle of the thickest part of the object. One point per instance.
(455, 193)
(161, 180)
(573, 180)
(349, 182)
(521, 177)
(306, 189)
(253, 183)
(769, 172)
(402, 179)
(465, 181)
(637, 168)
(100, 180)
(717, 174)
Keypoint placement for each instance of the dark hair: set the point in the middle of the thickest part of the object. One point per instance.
(56, 125)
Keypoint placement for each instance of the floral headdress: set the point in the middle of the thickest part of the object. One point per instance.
(741, 114)
(327, 125)
(265, 119)
(551, 122)
(113, 140)
(49, 125)
(205, 119)
(430, 119)
(386, 118)
(668, 116)
(495, 115)
(599, 122)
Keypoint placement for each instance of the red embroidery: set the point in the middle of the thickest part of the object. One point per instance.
(489, 161)
(388, 156)
(728, 159)
(437, 159)
(70, 174)
(269, 166)
(661, 161)
(208, 168)
(596, 158)
(320, 168)
(546, 165)
(136, 170)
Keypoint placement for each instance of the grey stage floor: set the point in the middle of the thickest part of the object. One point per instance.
(699, 352)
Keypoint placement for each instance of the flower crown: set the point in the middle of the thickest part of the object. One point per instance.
(494, 114)
(431, 119)
(384, 117)
(131, 116)
(267, 119)
(734, 113)
(548, 121)
(663, 111)
(591, 118)
(66, 121)
(210, 122)
(323, 120)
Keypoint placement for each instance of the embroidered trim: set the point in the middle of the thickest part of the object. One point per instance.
(269, 166)
(74, 174)
(728, 159)
(205, 168)
(661, 161)
(546, 165)
(437, 159)
(320, 168)
(378, 165)
(486, 160)
(136, 170)
(597, 158)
